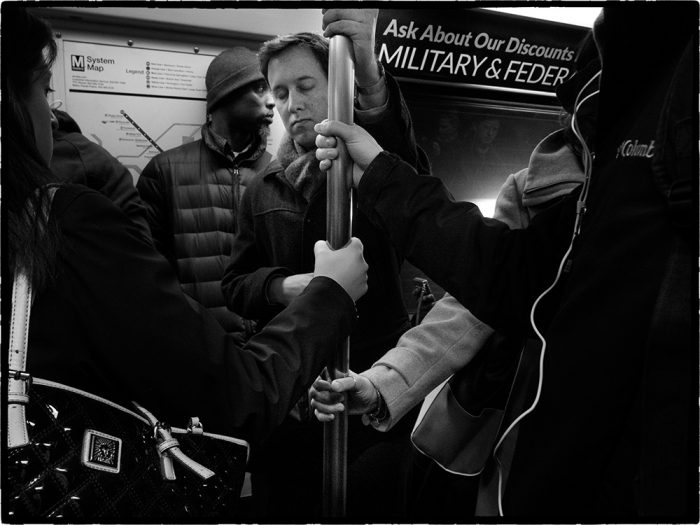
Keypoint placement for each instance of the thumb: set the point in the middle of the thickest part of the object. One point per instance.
(334, 128)
(320, 247)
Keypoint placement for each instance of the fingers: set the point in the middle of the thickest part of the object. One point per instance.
(346, 266)
(326, 151)
(326, 404)
(329, 128)
(326, 142)
(356, 244)
(320, 248)
(321, 385)
(324, 418)
(325, 165)
(348, 28)
(363, 16)
(344, 384)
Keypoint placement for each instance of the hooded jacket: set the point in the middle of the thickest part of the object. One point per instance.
(449, 336)
(605, 435)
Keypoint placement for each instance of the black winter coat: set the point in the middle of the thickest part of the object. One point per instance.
(79, 160)
(116, 323)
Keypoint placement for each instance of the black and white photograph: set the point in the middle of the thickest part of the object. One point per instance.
(331, 262)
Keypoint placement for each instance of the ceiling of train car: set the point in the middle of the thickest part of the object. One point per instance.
(279, 21)
(260, 21)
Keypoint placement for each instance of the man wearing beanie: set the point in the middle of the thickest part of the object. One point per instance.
(192, 192)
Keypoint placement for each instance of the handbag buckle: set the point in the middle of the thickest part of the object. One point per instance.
(101, 451)
(157, 427)
(194, 426)
(19, 375)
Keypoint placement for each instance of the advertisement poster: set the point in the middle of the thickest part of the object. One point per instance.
(478, 48)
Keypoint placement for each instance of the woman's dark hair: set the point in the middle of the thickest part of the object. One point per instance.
(32, 241)
(66, 123)
(317, 44)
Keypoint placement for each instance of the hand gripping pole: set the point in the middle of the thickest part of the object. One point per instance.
(341, 74)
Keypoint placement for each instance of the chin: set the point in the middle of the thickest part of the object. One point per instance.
(307, 139)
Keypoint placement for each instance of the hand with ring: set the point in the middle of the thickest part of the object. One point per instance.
(327, 396)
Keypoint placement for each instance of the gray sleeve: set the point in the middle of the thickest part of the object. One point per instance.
(447, 339)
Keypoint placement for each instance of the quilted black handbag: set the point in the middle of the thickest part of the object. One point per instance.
(74, 456)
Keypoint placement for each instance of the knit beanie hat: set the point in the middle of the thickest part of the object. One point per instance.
(230, 70)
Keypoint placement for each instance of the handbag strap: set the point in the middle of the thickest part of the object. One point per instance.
(19, 379)
(168, 444)
(17, 396)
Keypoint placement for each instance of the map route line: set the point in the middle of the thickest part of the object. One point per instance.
(148, 138)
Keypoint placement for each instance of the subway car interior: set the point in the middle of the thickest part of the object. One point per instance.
(464, 120)
(459, 369)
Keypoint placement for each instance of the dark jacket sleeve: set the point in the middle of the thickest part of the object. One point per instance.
(494, 271)
(393, 128)
(246, 278)
(78, 159)
(174, 357)
(153, 189)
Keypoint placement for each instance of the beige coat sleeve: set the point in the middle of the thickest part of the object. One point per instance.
(446, 340)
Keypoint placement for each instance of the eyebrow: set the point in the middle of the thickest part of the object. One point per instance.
(305, 77)
(300, 79)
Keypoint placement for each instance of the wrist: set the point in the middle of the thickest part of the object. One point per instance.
(371, 86)
(380, 410)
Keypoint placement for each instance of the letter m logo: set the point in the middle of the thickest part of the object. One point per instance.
(77, 63)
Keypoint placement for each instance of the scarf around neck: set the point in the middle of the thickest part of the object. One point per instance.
(300, 167)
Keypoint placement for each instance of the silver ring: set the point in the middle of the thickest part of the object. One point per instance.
(354, 383)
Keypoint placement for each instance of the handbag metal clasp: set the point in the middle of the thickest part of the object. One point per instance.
(19, 375)
(101, 451)
(194, 426)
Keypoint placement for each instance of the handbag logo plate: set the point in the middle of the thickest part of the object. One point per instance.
(101, 451)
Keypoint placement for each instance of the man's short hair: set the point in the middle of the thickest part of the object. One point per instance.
(317, 44)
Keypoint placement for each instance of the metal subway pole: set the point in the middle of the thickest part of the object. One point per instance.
(341, 74)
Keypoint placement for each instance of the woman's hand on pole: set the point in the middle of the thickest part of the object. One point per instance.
(361, 146)
(345, 266)
(327, 398)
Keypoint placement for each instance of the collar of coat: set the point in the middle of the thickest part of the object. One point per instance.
(251, 153)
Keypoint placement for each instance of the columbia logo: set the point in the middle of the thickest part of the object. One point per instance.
(630, 148)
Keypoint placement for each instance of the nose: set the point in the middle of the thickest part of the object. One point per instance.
(269, 100)
(295, 102)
